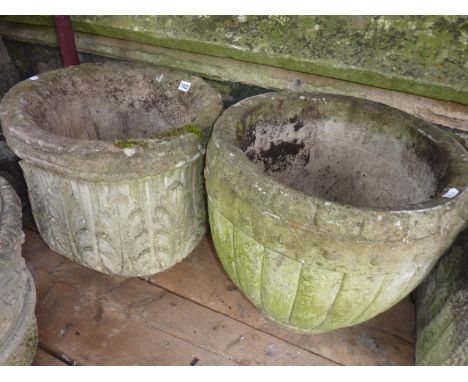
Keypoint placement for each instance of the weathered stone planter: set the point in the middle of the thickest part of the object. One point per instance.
(442, 309)
(18, 329)
(327, 210)
(112, 154)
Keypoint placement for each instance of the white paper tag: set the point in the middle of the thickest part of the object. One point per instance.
(184, 86)
(451, 193)
(34, 78)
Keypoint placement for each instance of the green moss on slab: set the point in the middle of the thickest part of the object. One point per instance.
(423, 55)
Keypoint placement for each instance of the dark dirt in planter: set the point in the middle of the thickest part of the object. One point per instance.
(95, 114)
(339, 159)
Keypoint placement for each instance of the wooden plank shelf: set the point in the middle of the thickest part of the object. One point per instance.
(191, 314)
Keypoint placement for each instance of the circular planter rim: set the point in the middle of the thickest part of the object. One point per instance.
(26, 130)
(224, 134)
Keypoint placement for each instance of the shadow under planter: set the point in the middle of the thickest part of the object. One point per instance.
(18, 328)
(327, 210)
(112, 154)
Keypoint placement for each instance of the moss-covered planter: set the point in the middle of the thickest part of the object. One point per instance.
(18, 329)
(112, 154)
(326, 210)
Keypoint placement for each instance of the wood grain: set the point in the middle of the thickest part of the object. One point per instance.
(385, 340)
(190, 313)
(45, 359)
(106, 320)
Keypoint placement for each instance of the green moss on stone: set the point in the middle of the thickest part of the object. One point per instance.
(129, 143)
(423, 55)
(190, 128)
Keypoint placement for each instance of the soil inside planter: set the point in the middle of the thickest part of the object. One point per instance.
(351, 157)
(111, 106)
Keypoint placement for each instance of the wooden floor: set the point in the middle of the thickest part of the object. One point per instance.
(189, 315)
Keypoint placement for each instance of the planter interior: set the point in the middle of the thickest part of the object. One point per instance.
(123, 105)
(343, 153)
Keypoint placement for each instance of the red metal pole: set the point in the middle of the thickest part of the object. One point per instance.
(66, 40)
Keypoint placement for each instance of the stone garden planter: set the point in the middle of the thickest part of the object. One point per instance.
(442, 310)
(326, 210)
(18, 329)
(113, 154)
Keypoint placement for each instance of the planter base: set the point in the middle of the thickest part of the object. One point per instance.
(303, 297)
(131, 228)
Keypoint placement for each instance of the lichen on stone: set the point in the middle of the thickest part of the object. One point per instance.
(422, 55)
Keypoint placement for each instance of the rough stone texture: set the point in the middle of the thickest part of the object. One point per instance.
(113, 154)
(423, 55)
(9, 167)
(451, 114)
(8, 74)
(330, 257)
(11, 171)
(18, 330)
(31, 59)
(460, 135)
(442, 310)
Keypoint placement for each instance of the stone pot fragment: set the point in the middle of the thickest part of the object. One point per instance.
(18, 328)
(442, 309)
